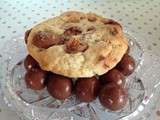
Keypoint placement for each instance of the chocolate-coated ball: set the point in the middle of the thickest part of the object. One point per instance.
(113, 76)
(30, 63)
(87, 89)
(59, 87)
(35, 79)
(126, 65)
(113, 97)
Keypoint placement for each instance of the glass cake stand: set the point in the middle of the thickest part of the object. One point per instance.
(142, 85)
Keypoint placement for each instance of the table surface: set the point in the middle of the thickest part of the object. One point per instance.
(141, 16)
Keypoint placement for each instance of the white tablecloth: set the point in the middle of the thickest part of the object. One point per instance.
(142, 16)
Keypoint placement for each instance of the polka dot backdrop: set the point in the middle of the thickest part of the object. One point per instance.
(142, 17)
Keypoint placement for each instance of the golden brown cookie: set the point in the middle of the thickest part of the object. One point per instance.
(77, 44)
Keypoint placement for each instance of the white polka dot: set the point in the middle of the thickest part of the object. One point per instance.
(2, 37)
(129, 23)
(29, 18)
(38, 14)
(4, 22)
(135, 18)
(26, 7)
(132, 11)
(13, 31)
(103, 12)
(75, 4)
(118, 11)
(44, 17)
(25, 26)
(23, 14)
(141, 15)
(129, 5)
(155, 28)
(115, 4)
(34, 22)
(126, 15)
(146, 12)
(102, 5)
(142, 5)
(145, 23)
(123, 7)
(21, 4)
(119, 19)
(80, 8)
(9, 14)
(112, 16)
(134, 2)
(155, 6)
(5, 11)
(19, 22)
(150, 33)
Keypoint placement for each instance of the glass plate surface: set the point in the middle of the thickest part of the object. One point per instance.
(142, 88)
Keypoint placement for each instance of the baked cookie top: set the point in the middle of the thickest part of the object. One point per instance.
(77, 44)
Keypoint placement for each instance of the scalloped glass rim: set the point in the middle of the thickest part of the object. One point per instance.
(32, 112)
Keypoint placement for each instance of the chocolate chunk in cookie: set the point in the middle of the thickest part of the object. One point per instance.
(72, 31)
(45, 39)
(114, 31)
(110, 22)
(75, 46)
(91, 28)
(91, 17)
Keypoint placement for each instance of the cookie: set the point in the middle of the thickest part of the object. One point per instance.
(77, 44)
